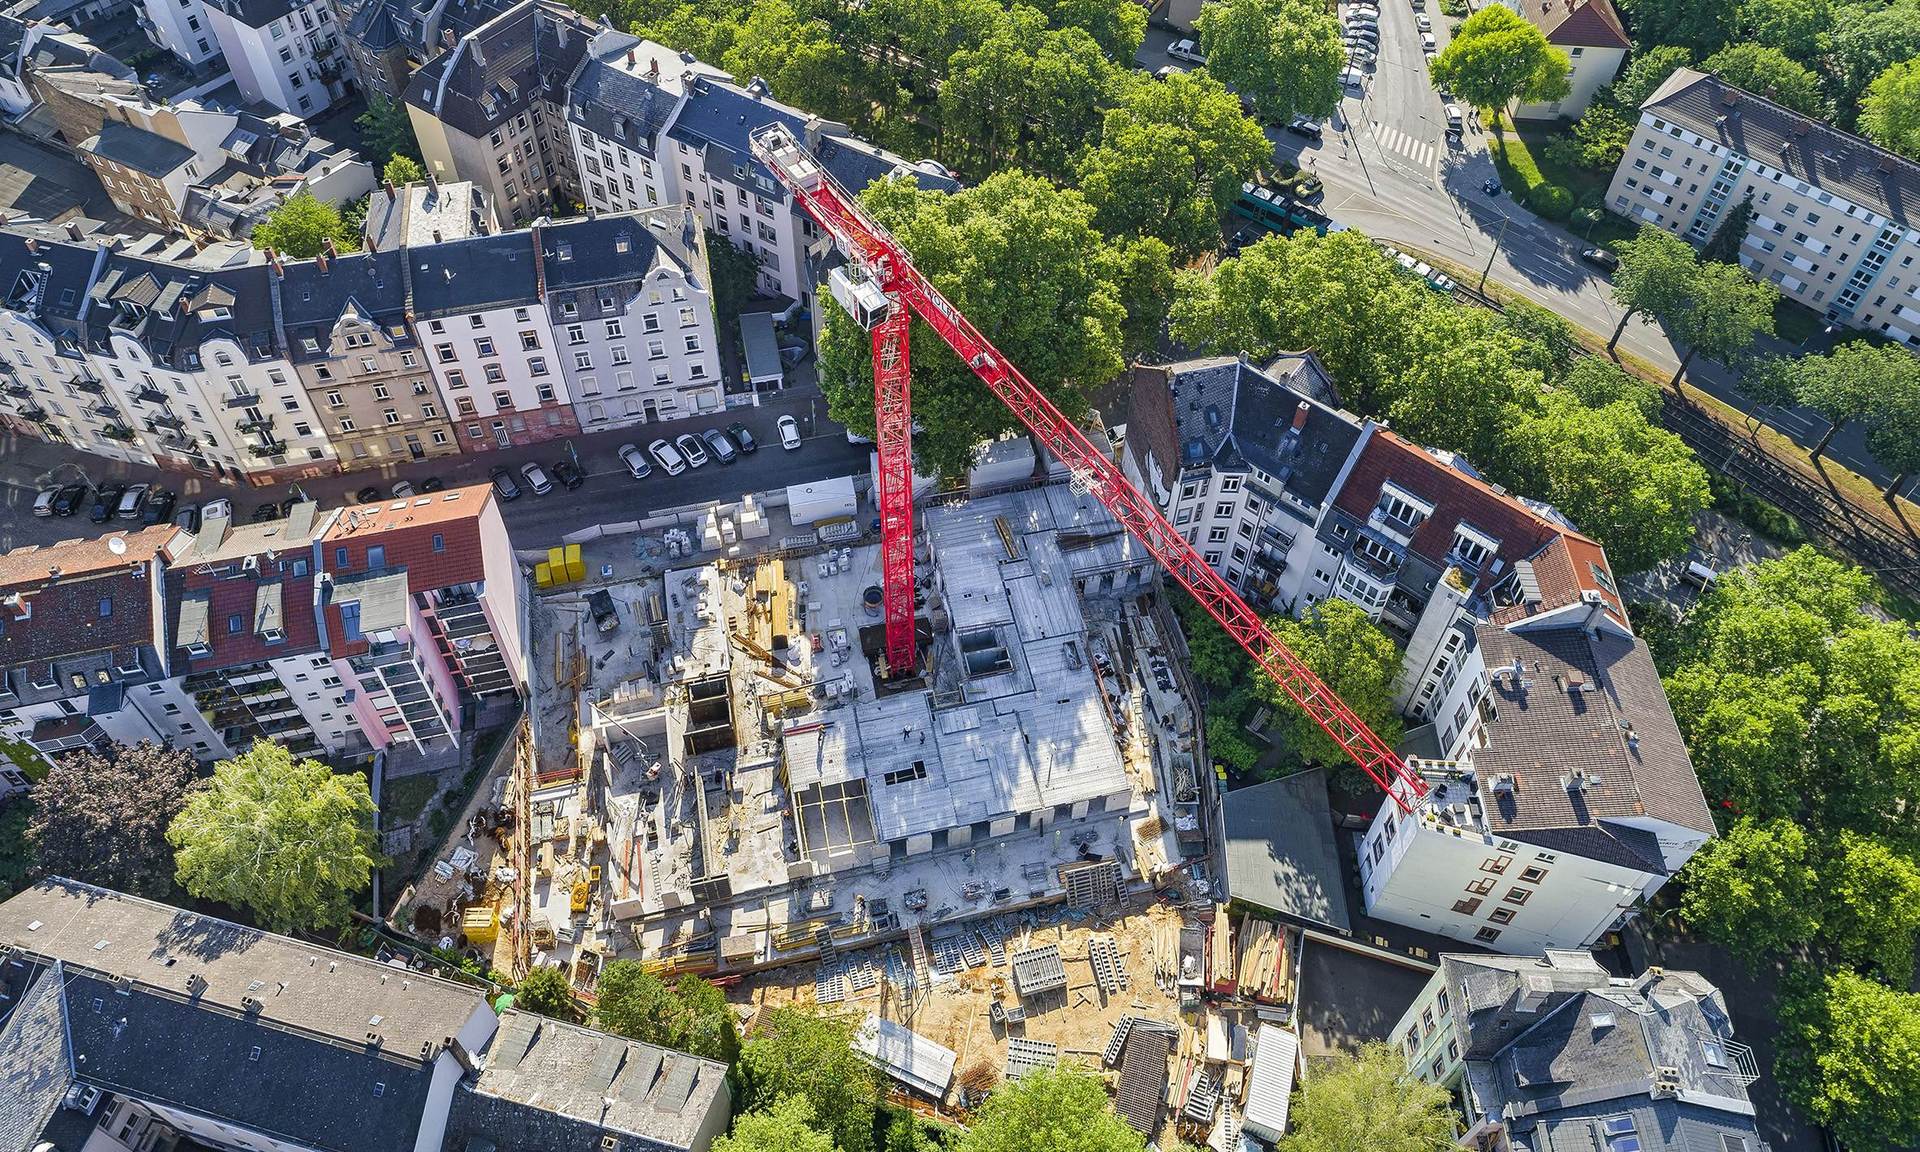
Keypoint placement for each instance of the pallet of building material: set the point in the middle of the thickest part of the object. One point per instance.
(830, 986)
(1121, 1029)
(862, 976)
(1263, 961)
(970, 950)
(946, 956)
(996, 948)
(1202, 1099)
(1024, 1056)
(798, 935)
(1104, 954)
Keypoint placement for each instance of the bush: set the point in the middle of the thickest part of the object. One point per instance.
(1551, 201)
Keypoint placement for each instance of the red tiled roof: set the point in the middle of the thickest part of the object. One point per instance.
(1577, 23)
(406, 531)
(237, 597)
(64, 617)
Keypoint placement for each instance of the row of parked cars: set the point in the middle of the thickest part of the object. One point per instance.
(673, 457)
(144, 504)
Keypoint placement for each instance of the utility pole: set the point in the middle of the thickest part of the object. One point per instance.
(1491, 256)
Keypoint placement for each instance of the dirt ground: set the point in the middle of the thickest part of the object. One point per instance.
(954, 1010)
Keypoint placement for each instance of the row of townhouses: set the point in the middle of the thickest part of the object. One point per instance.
(132, 1026)
(1561, 793)
(1832, 221)
(336, 634)
(443, 337)
(1552, 1051)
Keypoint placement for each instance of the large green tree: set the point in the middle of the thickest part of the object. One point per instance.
(1701, 26)
(301, 226)
(1368, 1103)
(1022, 260)
(1853, 381)
(1771, 73)
(1633, 486)
(1890, 110)
(1655, 274)
(1754, 889)
(1866, 41)
(1062, 1110)
(1796, 27)
(787, 1125)
(547, 991)
(291, 841)
(1871, 906)
(1850, 1056)
(805, 1052)
(1599, 382)
(102, 817)
(1284, 55)
(1730, 232)
(1649, 69)
(1723, 311)
(1171, 158)
(1497, 57)
(691, 1014)
(386, 131)
(1355, 659)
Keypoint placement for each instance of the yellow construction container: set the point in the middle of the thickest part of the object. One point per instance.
(557, 563)
(542, 575)
(576, 564)
(480, 923)
(582, 892)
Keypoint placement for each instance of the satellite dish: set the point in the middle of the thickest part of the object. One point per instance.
(117, 545)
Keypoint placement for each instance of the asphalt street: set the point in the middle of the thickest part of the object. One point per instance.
(610, 494)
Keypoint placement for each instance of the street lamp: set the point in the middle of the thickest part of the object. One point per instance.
(1491, 256)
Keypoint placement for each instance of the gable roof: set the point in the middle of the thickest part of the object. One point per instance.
(1576, 23)
(78, 598)
(138, 149)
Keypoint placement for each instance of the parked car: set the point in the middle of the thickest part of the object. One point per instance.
(1167, 70)
(130, 501)
(265, 512)
(721, 445)
(1301, 126)
(789, 433)
(503, 485)
(742, 437)
(636, 461)
(1358, 22)
(106, 501)
(1186, 50)
(69, 499)
(1455, 120)
(368, 495)
(1427, 42)
(537, 479)
(689, 446)
(568, 476)
(432, 484)
(221, 509)
(43, 503)
(668, 457)
(1352, 77)
(402, 490)
(187, 519)
(159, 507)
(1601, 258)
(1423, 22)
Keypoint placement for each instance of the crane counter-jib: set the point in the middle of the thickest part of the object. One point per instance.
(879, 255)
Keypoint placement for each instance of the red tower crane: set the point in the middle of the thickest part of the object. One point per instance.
(898, 292)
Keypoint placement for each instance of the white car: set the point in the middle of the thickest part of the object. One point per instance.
(635, 462)
(43, 503)
(1369, 18)
(1186, 50)
(1366, 10)
(690, 447)
(1426, 42)
(1352, 77)
(221, 509)
(789, 433)
(1423, 22)
(665, 455)
(537, 479)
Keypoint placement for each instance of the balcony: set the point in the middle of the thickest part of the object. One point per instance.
(148, 394)
(104, 410)
(167, 420)
(18, 391)
(33, 412)
(118, 432)
(242, 400)
(270, 448)
(89, 384)
(259, 426)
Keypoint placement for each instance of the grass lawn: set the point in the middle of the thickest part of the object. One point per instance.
(1795, 321)
(1520, 154)
(406, 797)
(31, 764)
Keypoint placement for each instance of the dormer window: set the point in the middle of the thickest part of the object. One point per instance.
(1473, 548)
(1401, 507)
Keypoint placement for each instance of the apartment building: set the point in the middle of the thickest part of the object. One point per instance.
(388, 39)
(29, 45)
(47, 387)
(180, 27)
(426, 212)
(83, 658)
(193, 356)
(1595, 41)
(620, 100)
(1554, 1051)
(476, 304)
(284, 52)
(132, 1026)
(363, 372)
(1490, 597)
(631, 306)
(491, 108)
(1831, 224)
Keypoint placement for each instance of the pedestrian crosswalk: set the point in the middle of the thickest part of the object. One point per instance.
(1418, 152)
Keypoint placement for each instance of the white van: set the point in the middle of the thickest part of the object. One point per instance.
(667, 457)
(1455, 121)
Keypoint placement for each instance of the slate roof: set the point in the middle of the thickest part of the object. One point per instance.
(526, 50)
(138, 149)
(312, 301)
(545, 1086)
(254, 13)
(613, 248)
(472, 274)
(614, 104)
(36, 1062)
(1280, 849)
(1576, 23)
(1588, 702)
(1806, 149)
(180, 303)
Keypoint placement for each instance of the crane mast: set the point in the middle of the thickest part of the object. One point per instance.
(907, 292)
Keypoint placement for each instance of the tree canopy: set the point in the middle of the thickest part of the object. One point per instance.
(1722, 312)
(547, 991)
(1890, 110)
(1355, 659)
(402, 171)
(1656, 272)
(301, 227)
(691, 1014)
(1497, 56)
(787, 1125)
(1701, 26)
(1854, 1060)
(1367, 1103)
(1648, 70)
(291, 841)
(1770, 72)
(1051, 1110)
(386, 130)
(1796, 27)
(1284, 55)
(1854, 381)
(102, 817)
(1753, 889)
(802, 1052)
(1022, 260)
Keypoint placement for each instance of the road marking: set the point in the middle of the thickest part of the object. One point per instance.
(1418, 151)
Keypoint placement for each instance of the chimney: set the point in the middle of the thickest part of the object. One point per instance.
(73, 230)
(320, 261)
(279, 269)
(1300, 413)
(436, 236)
(392, 192)
(32, 244)
(446, 37)
(653, 69)
(333, 252)
(633, 58)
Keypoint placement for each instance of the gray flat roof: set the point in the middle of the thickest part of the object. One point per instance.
(1280, 849)
(763, 351)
